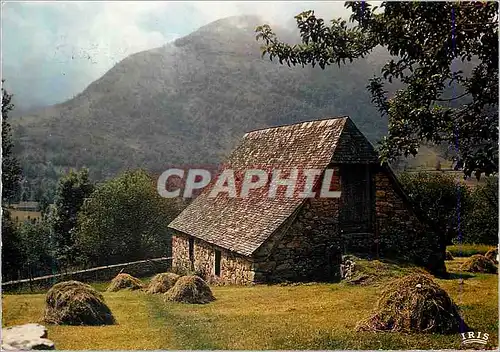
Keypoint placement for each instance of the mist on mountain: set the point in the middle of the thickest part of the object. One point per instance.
(189, 102)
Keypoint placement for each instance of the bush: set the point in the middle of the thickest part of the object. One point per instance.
(481, 220)
(436, 195)
(419, 246)
(75, 303)
(461, 214)
(125, 219)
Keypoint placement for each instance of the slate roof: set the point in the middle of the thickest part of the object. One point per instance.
(241, 225)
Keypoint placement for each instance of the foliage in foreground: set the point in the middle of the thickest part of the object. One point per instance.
(426, 40)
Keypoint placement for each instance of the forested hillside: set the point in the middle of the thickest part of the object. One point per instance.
(188, 102)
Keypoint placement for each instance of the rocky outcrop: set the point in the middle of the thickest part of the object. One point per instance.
(26, 337)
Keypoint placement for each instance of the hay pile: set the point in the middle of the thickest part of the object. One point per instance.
(75, 303)
(124, 281)
(479, 264)
(449, 256)
(492, 255)
(163, 282)
(190, 289)
(414, 303)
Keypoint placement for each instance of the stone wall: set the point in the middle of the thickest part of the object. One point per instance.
(180, 253)
(234, 269)
(307, 249)
(308, 245)
(400, 233)
(389, 204)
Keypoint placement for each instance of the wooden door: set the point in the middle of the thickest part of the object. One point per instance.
(357, 199)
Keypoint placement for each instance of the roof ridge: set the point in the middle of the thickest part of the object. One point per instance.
(304, 124)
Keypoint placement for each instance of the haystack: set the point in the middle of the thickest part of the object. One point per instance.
(76, 303)
(479, 264)
(190, 289)
(449, 256)
(492, 255)
(414, 303)
(163, 282)
(124, 281)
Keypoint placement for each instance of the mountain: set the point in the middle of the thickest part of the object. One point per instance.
(189, 102)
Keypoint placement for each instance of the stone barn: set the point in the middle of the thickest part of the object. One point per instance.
(259, 239)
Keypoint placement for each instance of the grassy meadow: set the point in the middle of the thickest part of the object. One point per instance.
(467, 250)
(306, 316)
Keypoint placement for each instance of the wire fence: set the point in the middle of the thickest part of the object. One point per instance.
(141, 267)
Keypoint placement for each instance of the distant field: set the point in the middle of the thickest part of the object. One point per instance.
(315, 316)
(466, 250)
(458, 175)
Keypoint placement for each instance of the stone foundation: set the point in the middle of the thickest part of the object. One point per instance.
(234, 269)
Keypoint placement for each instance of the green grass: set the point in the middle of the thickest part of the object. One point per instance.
(467, 250)
(313, 316)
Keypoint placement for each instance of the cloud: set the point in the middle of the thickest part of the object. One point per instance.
(53, 50)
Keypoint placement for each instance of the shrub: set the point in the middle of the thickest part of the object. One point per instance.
(418, 246)
(481, 219)
(436, 195)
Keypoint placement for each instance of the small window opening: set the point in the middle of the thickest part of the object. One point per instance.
(217, 262)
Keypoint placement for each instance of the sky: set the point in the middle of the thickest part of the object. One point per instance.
(52, 51)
